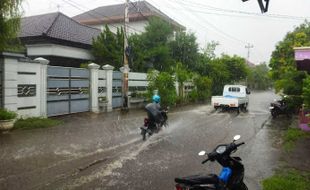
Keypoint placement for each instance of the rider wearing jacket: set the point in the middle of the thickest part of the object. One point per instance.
(154, 111)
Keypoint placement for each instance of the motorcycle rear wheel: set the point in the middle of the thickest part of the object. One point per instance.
(143, 133)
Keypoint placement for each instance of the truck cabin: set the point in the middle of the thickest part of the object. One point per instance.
(235, 91)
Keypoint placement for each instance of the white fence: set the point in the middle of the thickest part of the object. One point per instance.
(24, 85)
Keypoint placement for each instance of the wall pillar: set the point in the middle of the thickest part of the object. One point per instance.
(94, 70)
(10, 67)
(109, 79)
(43, 86)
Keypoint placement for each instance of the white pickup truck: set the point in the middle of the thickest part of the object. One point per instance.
(234, 96)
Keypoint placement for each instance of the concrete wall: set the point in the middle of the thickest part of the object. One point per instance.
(24, 85)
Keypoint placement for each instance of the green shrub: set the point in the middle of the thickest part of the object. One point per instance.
(203, 87)
(35, 122)
(6, 114)
(291, 180)
(291, 136)
(164, 83)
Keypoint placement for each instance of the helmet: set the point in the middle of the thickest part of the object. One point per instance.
(156, 98)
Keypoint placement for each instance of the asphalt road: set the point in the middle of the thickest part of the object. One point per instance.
(108, 153)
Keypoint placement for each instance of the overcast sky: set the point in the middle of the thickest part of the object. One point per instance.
(232, 23)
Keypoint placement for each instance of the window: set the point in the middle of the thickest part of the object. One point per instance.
(234, 89)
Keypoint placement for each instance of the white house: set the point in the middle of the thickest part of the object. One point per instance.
(113, 15)
(58, 38)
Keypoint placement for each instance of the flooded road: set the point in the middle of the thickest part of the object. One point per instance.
(92, 151)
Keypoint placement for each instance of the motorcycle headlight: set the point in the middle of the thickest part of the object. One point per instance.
(221, 149)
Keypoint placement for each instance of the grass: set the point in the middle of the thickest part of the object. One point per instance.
(35, 122)
(287, 180)
(6, 114)
(291, 136)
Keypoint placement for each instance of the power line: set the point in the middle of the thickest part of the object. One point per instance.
(78, 6)
(139, 11)
(217, 29)
(257, 15)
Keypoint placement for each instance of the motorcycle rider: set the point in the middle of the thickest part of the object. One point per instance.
(154, 112)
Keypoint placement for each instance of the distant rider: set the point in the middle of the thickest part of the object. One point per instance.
(154, 111)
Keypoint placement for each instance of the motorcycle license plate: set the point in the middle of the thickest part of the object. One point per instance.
(271, 108)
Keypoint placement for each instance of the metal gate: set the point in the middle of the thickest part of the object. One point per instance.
(117, 100)
(67, 90)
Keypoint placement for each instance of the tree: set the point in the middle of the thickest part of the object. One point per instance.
(236, 66)
(9, 22)
(182, 76)
(225, 70)
(206, 58)
(282, 63)
(108, 47)
(258, 77)
(164, 83)
(150, 49)
(203, 88)
(184, 49)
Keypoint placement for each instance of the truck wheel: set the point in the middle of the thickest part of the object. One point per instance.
(238, 109)
(244, 107)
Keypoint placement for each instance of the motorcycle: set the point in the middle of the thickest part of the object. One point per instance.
(230, 178)
(279, 107)
(150, 127)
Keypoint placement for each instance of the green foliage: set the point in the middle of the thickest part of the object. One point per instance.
(282, 63)
(258, 77)
(291, 136)
(182, 75)
(306, 91)
(35, 122)
(84, 65)
(150, 50)
(282, 58)
(164, 83)
(9, 22)
(225, 70)
(108, 48)
(185, 49)
(203, 88)
(7, 115)
(288, 180)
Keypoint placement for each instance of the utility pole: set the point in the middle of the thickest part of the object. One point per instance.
(125, 69)
(249, 46)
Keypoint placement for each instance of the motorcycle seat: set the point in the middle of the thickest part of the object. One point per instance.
(198, 179)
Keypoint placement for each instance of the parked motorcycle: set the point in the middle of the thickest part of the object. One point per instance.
(150, 127)
(230, 178)
(279, 107)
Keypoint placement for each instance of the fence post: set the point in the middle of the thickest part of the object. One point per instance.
(109, 79)
(94, 70)
(43, 83)
(176, 83)
(10, 67)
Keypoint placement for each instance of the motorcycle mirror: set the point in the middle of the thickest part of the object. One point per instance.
(202, 153)
(237, 137)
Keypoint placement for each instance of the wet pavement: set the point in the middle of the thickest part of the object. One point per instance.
(106, 151)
